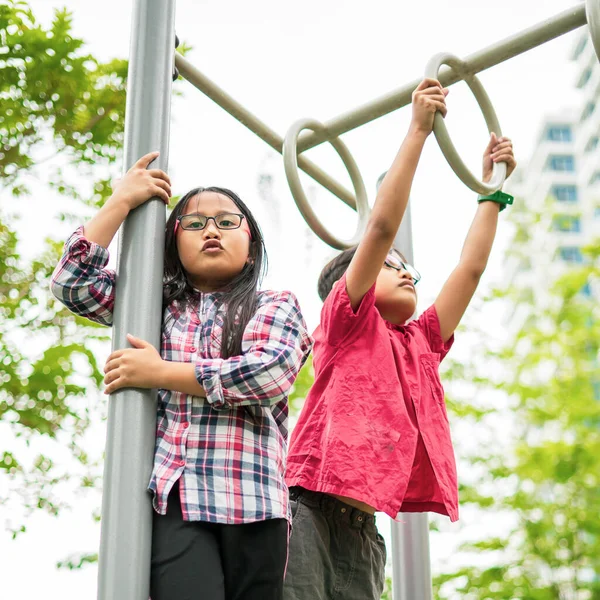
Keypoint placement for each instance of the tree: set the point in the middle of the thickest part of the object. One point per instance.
(536, 474)
(62, 114)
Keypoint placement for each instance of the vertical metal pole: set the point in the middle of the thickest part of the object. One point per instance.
(126, 528)
(411, 565)
(411, 569)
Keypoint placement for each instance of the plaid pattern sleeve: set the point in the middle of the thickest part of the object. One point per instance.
(274, 348)
(82, 282)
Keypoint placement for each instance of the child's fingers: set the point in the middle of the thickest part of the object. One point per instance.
(137, 342)
(143, 162)
(433, 95)
(428, 82)
(114, 355)
(432, 91)
(506, 157)
(162, 184)
(158, 174)
(492, 143)
(502, 146)
(439, 107)
(111, 365)
(110, 377)
(164, 187)
(158, 192)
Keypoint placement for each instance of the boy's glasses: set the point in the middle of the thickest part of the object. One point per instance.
(196, 222)
(393, 262)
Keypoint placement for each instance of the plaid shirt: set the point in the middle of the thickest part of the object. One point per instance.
(227, 450)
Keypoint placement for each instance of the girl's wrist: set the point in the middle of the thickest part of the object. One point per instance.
(162, 375)
(118, 204)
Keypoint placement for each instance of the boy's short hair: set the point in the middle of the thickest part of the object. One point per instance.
(333, 271)
(335, 268)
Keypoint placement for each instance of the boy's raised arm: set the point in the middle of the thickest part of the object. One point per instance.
(458, 290)
(394, 192)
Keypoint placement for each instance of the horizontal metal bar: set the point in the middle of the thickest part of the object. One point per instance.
(263, 131)
(495, 54)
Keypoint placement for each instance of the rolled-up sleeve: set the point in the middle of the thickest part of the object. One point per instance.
(82, 282)
(429, 324)
(275, 345)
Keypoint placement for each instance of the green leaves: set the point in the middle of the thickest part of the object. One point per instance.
(55, 98)
(62, 114)
(539, 472)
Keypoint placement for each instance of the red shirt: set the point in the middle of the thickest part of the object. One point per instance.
(374, 425)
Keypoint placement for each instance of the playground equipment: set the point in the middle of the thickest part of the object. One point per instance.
(124, 561)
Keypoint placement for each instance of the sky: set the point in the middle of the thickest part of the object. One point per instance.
(317, 59)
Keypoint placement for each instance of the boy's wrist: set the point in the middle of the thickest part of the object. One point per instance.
(418, 132)
(502, 199)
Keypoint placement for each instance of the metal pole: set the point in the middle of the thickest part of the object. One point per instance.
(479, 61)
(126, 532)
(229, 104)
(411, 568)
(495, 54)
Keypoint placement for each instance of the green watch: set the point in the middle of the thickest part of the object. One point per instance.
(501, 198)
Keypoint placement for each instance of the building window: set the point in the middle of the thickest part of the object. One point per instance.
(559, 133)
(592, 143)
(585, 77)
(580, 47)
(561, 162)
(570, 254)
(566, 223)
(590, 107)
(564, 193)
(586, 290)
(595, 178)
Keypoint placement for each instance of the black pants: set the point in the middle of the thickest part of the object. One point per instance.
(193, 560)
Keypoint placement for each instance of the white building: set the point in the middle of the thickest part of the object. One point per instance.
(561, 183)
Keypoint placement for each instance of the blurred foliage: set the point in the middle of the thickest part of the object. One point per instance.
(533, 402)
(301, 387)
(62, 115)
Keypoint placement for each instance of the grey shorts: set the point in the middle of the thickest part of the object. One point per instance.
(336, 552)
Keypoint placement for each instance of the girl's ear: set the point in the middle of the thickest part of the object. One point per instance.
(250, 259)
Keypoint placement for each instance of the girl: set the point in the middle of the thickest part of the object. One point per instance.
(228, 358)
(373, 434)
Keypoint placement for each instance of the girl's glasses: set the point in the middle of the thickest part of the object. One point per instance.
(196, 222)
(393, 262)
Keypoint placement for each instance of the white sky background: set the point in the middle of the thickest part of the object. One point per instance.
(320, 58)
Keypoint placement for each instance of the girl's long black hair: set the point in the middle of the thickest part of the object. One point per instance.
(239, 296)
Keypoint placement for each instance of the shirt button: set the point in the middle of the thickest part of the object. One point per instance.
(360, 519)
(182, 463)
(186, 425)
(343, 510)
(193, 348)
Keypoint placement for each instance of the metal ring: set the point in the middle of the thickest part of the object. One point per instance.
(441, 133)
(592, 12)
(290, 163)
